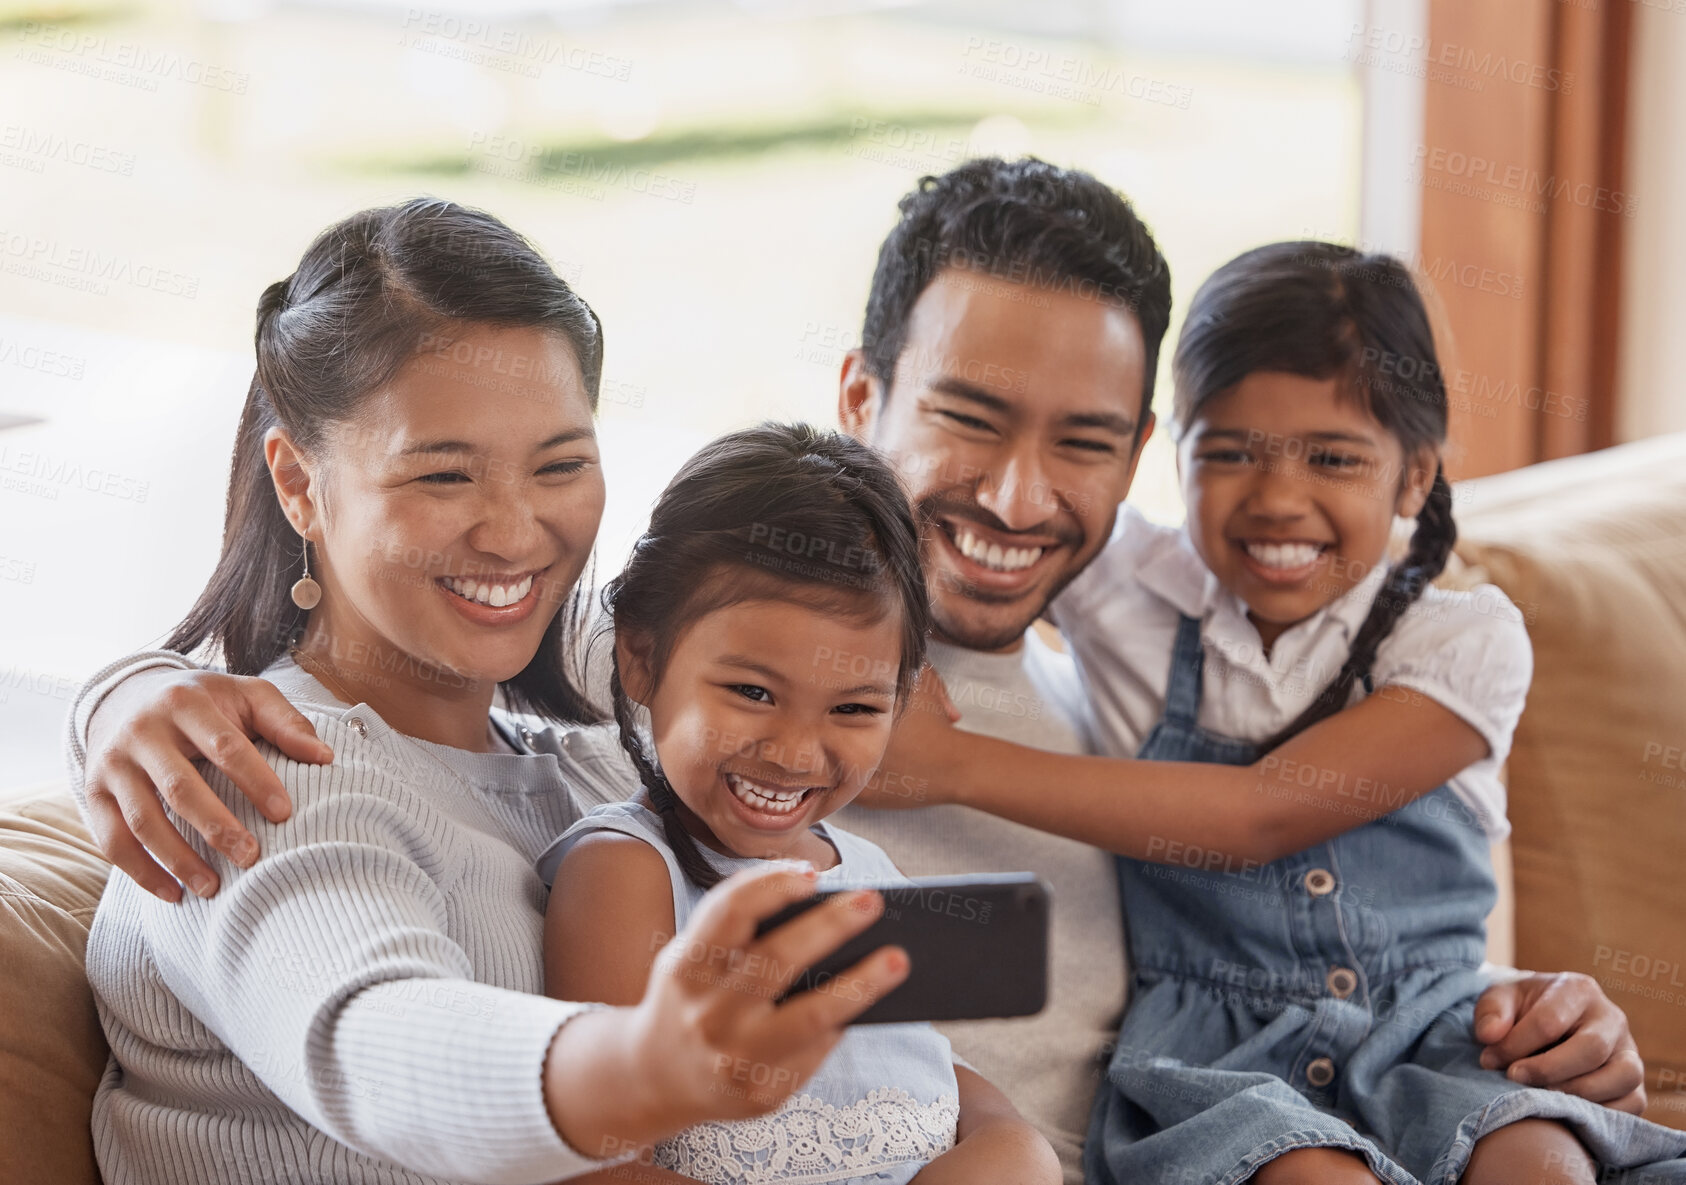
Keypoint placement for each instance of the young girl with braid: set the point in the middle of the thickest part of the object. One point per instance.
(768, 629)
(1317, 733)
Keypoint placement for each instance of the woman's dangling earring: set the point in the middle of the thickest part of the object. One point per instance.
(307, 594)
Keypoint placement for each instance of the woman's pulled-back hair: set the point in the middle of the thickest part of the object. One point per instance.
(782, 512)
(1321, 311)
(371, 293)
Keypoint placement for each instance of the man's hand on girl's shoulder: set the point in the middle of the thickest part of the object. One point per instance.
(142, 743)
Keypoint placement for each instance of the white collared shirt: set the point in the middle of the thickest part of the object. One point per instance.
(1468, 651)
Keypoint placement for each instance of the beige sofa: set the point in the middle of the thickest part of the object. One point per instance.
(1593, 551)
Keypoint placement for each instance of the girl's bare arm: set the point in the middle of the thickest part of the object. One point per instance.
(619, 1079)
(1356, 766)
(993, 1142)
(611, 912)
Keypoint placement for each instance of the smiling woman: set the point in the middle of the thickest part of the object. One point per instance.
(495, 488)
(472, 400)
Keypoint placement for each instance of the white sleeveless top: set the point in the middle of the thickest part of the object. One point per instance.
(881, 1106)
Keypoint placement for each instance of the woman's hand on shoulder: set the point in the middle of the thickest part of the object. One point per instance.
(710, 1038)
(142, 742)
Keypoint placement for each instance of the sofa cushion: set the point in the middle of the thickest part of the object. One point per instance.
(52, 1052)
(1593, 551)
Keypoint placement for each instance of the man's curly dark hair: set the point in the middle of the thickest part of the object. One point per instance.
(1026, 221)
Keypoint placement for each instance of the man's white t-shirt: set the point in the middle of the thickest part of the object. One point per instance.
(1049, 1064)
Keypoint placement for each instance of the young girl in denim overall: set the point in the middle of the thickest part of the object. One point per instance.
(1320, 1002)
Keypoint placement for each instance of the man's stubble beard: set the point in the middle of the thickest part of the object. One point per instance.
(953, 629)
(948, 627)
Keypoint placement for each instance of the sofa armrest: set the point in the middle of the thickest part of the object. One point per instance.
(52, 1051)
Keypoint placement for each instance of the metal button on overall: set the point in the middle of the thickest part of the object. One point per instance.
(1342, 982)
(1319, 882)
(1320, 1072)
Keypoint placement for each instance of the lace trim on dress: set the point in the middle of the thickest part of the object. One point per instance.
(809, 1140)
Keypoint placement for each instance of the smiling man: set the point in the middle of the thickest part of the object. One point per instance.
(1016, 315)
(1011, 338)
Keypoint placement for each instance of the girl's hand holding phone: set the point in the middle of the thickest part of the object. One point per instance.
(708, 1041)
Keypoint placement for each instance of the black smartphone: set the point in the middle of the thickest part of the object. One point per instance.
(978, 944)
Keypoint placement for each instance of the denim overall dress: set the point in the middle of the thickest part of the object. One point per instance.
(1324, 999)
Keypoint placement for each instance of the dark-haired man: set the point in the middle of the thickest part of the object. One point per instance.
(1006, 369)
(1007, 363)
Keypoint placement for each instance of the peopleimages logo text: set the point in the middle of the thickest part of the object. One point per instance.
(1481, 63)
(149, 64)
(1475, 171)
(32, 464)
(50, 255)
